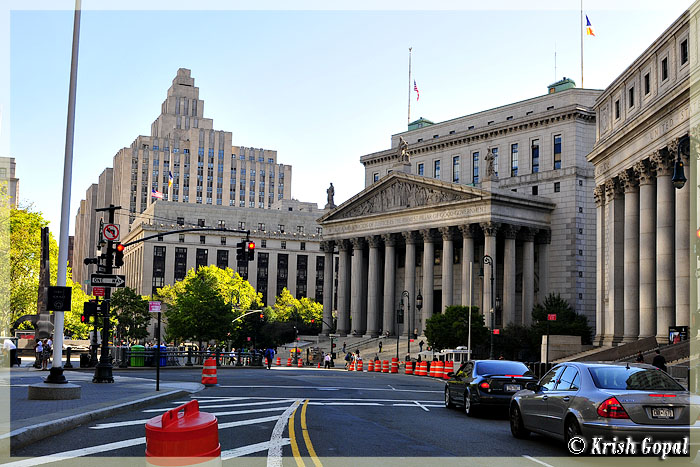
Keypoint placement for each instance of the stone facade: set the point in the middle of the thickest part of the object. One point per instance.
(643, 226)
(8, 180)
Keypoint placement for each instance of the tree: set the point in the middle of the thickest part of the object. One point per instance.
(196, 308)
(568, 321)
(131, 313)
(450, 329)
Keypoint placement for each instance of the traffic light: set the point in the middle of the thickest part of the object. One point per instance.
(89, 309)
(119, 255)
(250, 249)
(241, 253)
(262, 316)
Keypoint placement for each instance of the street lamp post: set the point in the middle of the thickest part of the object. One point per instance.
(408, 298)
(419, 302)
(488, 260)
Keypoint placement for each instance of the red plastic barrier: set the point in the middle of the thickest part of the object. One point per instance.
(209, 372)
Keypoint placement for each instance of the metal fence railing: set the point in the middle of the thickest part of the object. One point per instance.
(126, 357)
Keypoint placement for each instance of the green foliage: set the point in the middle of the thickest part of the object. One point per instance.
(131, 313)
(302, 311)
(450, 329)
(71, 319)
(568, 321)
(515, 343)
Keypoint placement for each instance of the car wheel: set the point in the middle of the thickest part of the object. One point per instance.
(469, 407)
(448, 403)
(517, 428)
(571, 429)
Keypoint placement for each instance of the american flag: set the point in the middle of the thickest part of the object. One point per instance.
(156, 194)
(415, 88)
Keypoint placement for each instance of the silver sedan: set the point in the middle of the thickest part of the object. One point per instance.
(603, 400)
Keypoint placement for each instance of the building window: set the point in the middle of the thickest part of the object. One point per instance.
(455, 169)
(664, 69)
(300, 229)
(180, 221)
(557, 187)
(261, 226)
(263, 243)
(617, 109)
(282, 265)
(375, 177)
(534, 190)
(514, 160)
(647, 84)
(421, 169)
(222, 259)
(158, 269)
(223, 240)
(182, 238)
(302, 246)
(535, 151)
(302, 275)
(280, 227)
(200, 222)
(319, 230)
(684, 51)
(180, 263)
(221, 224)
(557, 151)
(241, 225)
(202, 239)
(202, 257)
(475, 168)
(631, 97)
(436, 169)
(283, 245)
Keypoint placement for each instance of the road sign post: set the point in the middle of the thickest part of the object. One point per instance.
(154, 307)
(108, 280)
(550, 317)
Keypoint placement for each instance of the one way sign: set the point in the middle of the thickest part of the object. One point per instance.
(108, 280)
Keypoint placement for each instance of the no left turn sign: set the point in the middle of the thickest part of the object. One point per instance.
(110, 231)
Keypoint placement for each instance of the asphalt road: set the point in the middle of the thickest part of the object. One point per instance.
(271, 417)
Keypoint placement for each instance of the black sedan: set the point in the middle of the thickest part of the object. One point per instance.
(480, 383)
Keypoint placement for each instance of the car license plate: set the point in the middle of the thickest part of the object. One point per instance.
(512, 387)
(661, 412)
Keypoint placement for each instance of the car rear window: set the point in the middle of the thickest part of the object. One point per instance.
(633, 378)
(501, 368)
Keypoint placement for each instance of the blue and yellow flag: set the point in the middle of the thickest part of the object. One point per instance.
(589, 27)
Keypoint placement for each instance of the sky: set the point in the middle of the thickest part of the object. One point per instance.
(321, 87)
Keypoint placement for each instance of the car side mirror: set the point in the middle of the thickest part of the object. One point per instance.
(532, 386)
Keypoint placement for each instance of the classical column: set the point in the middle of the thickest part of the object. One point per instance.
(683, 232)
(490, 230)
(614, 316)
(356, 287)
(327, 247)
(630, 184)
(528, 299)
(509, 232)
(447, 267)
(599, 197)
(647, 249)
(543, 240)
(390, 282)
(409, 279)
(344, 287)
(373, 298)
(428, 275)
(665, 233)
(468, 232)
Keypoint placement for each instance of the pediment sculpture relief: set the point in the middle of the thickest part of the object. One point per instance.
(399, 195)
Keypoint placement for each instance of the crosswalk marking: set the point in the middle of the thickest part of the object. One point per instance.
(250, 449)
(326, 388)
(62, 456)
(274, 452)
(221, 406)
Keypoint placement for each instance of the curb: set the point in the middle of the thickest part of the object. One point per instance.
(30, 434)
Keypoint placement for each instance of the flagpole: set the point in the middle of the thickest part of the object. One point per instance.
(581, 25)
(409, 84)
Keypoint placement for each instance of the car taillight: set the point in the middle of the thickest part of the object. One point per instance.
(484, 385)
(611, 408)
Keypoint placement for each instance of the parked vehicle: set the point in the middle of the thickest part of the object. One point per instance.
(479, 383)
(604, 400)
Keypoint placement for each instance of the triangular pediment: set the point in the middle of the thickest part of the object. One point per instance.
(400, 191)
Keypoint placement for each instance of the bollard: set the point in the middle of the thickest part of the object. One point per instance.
(189, 356)
(218, 355)
(68, 363)
(190, 439)
(122, 359)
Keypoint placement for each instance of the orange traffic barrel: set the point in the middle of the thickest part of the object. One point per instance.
(394, 365)
(300, 363)
(289, 361)
(279, 361)
(385, 366)
(409, 368)
(352, 366)
(370, 365)
(377, 366)
(423, 369)
(359, 365)
(188, 439)
(449, 368)
(209, 372)
(440, 369)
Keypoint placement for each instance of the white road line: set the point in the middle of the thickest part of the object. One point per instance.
(537, 460)
(62, 456)
(424, 401)
(221, 406)
(392, 387)
(346, 403)
(421, 406)
(102, 426)
(274, 452)
(250, 449)
(437, 406)
(251, 421)
(331, 387)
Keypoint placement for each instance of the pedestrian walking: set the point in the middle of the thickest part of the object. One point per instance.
(327, 361)
(640, 357)
(343, 347)
(420, 345)
(380, 346)
(38, 353)
(659, 361)
(46, 350)
(269, 354)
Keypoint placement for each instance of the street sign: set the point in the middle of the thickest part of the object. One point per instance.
(108, 280)
(58, 299)
(154, 307)
(101, 269)
(552, 317)
(497, 331)
(110, 231)
(98, 291)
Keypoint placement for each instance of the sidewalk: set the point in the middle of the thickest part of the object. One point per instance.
(32, 420)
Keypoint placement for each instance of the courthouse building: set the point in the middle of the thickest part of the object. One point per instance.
(511, 183)
(643, 223)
